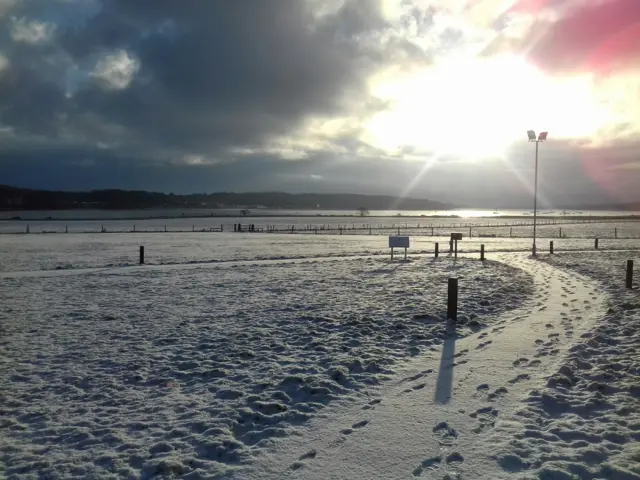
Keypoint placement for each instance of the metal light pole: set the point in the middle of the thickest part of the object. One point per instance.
(532, 138)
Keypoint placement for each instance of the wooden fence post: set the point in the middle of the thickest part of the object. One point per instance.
(452, 299)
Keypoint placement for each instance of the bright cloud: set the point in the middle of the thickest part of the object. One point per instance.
(116, 70)
(33, 32)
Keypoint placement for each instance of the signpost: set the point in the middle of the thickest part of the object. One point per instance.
(454, 241)
(398, 242)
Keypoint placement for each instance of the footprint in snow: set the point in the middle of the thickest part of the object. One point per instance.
(445, 433)
(431, 463)
(520, 362)
(310, 454)
(417, 375)
(484, 344)
(519, 378)
(498, 393)
(454, 458)
(486, 417)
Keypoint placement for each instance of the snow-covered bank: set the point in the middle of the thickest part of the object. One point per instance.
(585, 424)
(191, 373)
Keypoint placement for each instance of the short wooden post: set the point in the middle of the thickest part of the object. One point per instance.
(141, 254)
(510, 231)
(27, 229)
(436, 252)
(455, 248)
(66, 229)
(482, 252)
(405, 254)
(235, 227)
(222, 227)
(398, 230)
(596, 243)
(469, 232)
(551, 247)
(629, 273)
(615, 232)
(559, 232)
(450, 247)
(102, 228)
(165, 229)
(432, 231)
(452, 300)
(392, 254)
(369, 230)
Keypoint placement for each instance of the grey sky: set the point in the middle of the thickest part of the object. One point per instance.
(241, 95)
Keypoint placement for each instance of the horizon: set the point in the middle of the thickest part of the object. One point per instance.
(426, 100)
(447, 205)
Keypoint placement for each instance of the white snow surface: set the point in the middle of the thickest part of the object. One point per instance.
(113, 251)
(549, 392)
(162, 373)
(235, 357)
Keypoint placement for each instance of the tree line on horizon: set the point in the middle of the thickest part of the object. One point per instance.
(12, 198)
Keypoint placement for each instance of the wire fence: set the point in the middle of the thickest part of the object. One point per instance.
(546, 228)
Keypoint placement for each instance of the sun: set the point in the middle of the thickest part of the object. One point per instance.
(476, 108)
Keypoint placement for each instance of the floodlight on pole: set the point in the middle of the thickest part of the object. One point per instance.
(532, 138)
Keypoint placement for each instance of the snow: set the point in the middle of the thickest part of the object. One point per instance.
(194, 371)
(78, 251)
(300, 356)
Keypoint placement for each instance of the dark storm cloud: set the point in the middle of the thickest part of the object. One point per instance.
(210, 75)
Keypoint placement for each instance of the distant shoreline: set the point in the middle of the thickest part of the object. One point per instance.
(354, 216)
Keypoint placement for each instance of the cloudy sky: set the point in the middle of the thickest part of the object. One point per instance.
(427, 98)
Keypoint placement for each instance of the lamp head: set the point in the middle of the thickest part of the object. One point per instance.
(532, 135)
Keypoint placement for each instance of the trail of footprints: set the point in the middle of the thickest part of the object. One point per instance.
(345, 432)
(449, 459)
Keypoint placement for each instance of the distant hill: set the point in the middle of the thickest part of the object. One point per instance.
(12, 198)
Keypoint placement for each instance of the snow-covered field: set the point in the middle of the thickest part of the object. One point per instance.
(65, 252)
(189, 372)
(211, 363)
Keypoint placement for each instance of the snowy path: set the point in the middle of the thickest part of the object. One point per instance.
(435, 420)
